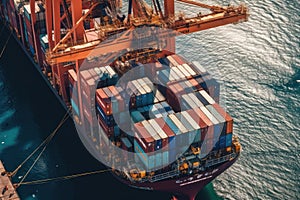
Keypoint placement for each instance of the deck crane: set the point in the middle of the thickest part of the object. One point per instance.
(73, 47)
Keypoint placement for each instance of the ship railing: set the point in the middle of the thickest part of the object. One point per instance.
(162, 176)
(220, 160)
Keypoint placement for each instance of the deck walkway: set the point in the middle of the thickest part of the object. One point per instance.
(7, 190)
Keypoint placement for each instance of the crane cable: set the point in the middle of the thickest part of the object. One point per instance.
(45, 142)
(42, 181)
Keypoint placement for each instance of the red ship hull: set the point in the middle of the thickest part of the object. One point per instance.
(186, 187)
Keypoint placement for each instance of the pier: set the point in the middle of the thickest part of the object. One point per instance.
(7, 189)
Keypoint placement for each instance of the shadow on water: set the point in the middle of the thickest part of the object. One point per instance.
(36, 112)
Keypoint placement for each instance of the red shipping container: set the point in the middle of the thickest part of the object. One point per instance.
(228, 118)
(200, 122)
(120, 100)
(165, 128)
(173, 98)
(145, 140)
(210, 130)
(178, 59)
(104, 101)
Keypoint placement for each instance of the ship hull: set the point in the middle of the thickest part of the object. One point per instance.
(186, 187)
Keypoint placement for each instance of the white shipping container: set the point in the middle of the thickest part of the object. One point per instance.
(159, 96)
(189, 101)
(179, 73)
(150, 130)
(172, 61)
(174, 74)
(189, 69)
(158, 129)
(207, 97)
(184, 71)
(215, 113)
(195, 99)
(209, 115)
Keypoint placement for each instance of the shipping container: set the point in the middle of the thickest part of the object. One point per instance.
(172, 61)
(207, 97)
(137, 116)
(164, 61)
(222, 142)
(148, 159)
(216, 127)
(194, 98)
(228, 118)
(195, 84)
(118, 105)
(160, 131)
(198, 68)
(228, 139)
(126, 144)
(191, 131)
(183, 137)
(195, 137)
(203, 126)
(144, 138)
(178, 59)
(185, 72)
(110, 131)
(189, 69)
(104, 101)
(218, 116)
(75, 107)
(210, 125)
(108, 119)
(154, 134)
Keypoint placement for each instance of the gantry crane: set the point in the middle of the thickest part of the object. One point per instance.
(73, 47)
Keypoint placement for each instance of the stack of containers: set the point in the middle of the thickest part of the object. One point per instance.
(72, 77)
(204, 123)
(144, 145)
(40, 23)
(90, 80)
(141, 92)
(109, 101)
(193, 74)
(199, 121)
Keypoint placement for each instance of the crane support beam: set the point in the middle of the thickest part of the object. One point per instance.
(56, 20)
(49, 27)
(169, 8)
(36, 33)
(183, 26)
(197, 4)
(76, 6)
(67, 36)
(211, 21)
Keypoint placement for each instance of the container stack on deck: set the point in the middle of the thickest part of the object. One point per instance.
(169, 119)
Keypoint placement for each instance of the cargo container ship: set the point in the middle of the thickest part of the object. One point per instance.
(147, 113)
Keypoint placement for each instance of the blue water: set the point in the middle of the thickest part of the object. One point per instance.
(258, 64)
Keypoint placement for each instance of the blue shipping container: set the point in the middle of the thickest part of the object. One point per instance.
(228, 140)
